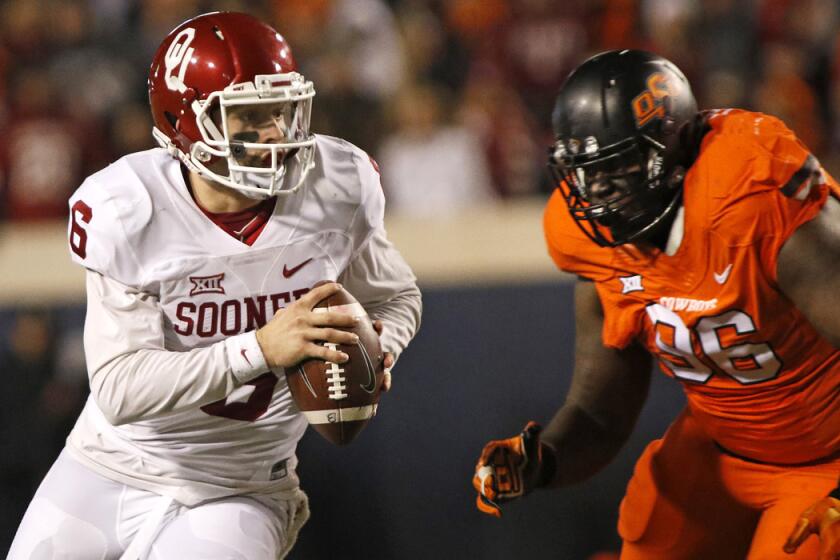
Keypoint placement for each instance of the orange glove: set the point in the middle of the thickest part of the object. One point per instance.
(823, 519)
(510, 468)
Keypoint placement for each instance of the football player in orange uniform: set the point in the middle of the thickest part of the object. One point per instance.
(709, 241)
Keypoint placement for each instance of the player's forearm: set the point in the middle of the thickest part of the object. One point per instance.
(609, 387)
(582, 446)
(135, 375)
(146, 383)
(401, 319)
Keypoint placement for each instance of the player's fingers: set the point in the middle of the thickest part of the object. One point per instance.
(377, 326)
(386, 382)
(313, 296)
(487, 453)
(388, 362)
(484, 481)
(502, 451)
(532, 428)
(488, 506)
(325, 353)
(323, 318)
(335, 336)
(803, 529)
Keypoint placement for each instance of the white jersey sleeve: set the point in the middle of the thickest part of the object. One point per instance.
(371, 211)
(377, 275)
(386, 287)
(133, 377)
(102, 219)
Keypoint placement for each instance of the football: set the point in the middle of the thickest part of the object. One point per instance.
(338, 400)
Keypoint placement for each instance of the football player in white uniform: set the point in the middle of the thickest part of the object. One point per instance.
(201, 261)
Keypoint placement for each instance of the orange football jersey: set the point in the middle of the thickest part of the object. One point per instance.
(760, 379)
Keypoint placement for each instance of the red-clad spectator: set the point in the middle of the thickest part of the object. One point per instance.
(620, 26)
(538, 47)
(493, 110)
(773, 18)
(45, 153)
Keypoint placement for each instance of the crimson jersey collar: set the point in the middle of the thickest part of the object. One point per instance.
(243, 225)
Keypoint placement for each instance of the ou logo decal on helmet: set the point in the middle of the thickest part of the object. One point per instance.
(178, 55)
(649, 104)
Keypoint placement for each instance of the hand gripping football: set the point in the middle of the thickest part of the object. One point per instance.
(339, 399)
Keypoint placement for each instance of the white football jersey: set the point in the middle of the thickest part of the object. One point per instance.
(181, 400)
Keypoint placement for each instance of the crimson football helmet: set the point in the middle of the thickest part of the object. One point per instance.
(208, 68)
(619, 118)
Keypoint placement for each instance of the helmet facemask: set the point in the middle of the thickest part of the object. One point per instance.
(637, 199)
(230, 151)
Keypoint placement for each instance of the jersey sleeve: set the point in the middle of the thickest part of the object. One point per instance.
(104, 217)
(795, 187)
(790, 211)
(763, 182)
(383, 282)
(377, 274)
(133, 377)
(370, 215)
(568, 247)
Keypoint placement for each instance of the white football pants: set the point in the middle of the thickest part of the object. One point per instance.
(77, 514)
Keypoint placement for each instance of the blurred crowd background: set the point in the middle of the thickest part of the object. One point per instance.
(452, 98)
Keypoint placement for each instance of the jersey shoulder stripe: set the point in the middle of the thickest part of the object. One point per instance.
(809, 169)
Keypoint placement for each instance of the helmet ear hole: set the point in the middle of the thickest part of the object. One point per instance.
(171, 119)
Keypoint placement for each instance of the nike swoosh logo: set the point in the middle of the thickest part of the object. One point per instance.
(245, 355)
(306, 381)
(370, 386)
(722, 277)
(289, 272)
